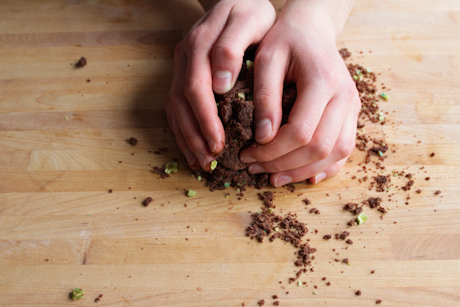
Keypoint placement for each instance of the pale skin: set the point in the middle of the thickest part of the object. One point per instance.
(297, 46)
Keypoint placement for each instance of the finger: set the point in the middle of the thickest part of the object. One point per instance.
(319, 148)
(186, 120)
(269, 73)
(298, 132)
(342, 150)
(180, 140)
(198, 86)
(241, 31)
(329, 172)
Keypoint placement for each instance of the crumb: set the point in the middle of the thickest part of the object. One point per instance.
(81, 62)
(133, 141)
(147, 201)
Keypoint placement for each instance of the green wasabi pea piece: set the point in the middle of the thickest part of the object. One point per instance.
(191, 193)
(171, 167)
(77, 293)
(213, 164)
(385, 96)
(362, 218)
(249, 64)
(241, 95)
(227, 184)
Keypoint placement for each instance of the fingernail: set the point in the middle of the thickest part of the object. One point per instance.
(282, 180)
(256, 169)
(263, 129)
(222, 81)
(211, 144)
(247, 160)
(189, 156)
(320, 177)
(201, 158)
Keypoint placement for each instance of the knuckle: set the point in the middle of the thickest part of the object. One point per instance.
(265, 98)
(263, 56)
(226, 50)
(349, 91)
(323, 149)
(192, 38)
(190, 90)
(303, 134)
(345, 149)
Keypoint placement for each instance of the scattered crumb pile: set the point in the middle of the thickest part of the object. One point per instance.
(268, 224)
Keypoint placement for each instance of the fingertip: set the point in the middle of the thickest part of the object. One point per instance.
(281, 180)
(264, 130)
(212, 144)
(318, 178)
(222, 81)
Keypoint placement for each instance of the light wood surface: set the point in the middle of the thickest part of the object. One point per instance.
(61, 140)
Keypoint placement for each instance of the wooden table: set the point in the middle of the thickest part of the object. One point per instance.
(63, 146)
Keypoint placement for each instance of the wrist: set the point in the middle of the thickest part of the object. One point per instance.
(325, 17)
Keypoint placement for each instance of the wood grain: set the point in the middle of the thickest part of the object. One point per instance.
(63, 145)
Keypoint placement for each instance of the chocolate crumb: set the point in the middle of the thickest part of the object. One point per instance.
(327, 237)
(432, 155)
(427, 178)
(349, 241)
(437, 192)
(419, 191)
(261, 302)
(147, 201)
(358, 292)
(378, 302)
(81, 62)
(373, 271)
(346, 260)
(132, 141)
(110, 191)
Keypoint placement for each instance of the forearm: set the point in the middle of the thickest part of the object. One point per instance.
(316, 13)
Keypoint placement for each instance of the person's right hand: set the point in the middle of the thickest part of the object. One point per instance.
(210, 58)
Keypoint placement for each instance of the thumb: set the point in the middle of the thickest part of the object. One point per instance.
(228, 51)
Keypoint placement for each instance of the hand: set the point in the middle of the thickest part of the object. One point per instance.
(210, 58)
(320, 133)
